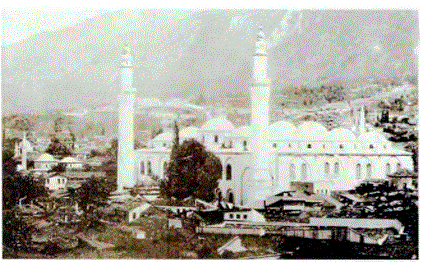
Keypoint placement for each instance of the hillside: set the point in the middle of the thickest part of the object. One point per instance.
(205, 52)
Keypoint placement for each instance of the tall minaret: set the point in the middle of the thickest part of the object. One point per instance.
(362, 121)
(125, 158)
(24, 152)
(260, 94)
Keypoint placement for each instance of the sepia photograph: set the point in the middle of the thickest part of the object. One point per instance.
(209, 133)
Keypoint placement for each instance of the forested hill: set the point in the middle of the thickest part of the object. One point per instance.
(208, 52)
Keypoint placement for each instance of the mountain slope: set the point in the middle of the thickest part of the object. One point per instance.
(209, 52)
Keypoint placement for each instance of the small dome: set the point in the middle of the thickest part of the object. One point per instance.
(341, 134)
(149, 102)
(189, 132)
(46, 158)
(282, 130)
(372, 137)
(220, 123)
(164, 137)
(311, 131)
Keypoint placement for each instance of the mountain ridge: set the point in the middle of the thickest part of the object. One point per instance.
(206, 52)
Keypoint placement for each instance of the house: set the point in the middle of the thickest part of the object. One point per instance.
(96, 161)
(246, 215)
(45, 162)
(404, 179)
(56, 181)
(71, 163)
(294, 202)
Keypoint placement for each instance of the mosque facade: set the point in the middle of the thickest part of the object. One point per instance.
(263, 159)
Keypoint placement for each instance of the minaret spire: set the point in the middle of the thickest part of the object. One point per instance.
(125, 158)
(260, 95)
(24, 152)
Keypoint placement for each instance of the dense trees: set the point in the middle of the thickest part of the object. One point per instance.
(333, 93)
(92, 194)
(192, 171)
(15, 185)
(56, 148)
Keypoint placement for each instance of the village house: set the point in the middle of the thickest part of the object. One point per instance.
(45, 162)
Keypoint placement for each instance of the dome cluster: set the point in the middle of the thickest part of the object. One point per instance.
(222, 130)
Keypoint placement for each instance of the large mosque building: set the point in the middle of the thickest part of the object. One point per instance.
(263, 159)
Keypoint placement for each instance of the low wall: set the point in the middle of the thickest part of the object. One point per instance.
(232, 231)
(356, 223)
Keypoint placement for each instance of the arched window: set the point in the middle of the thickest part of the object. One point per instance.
(398, 166)
(358, 172)
(216, 138)
(387, 169)
(292, 175)
(303, 172)
(230, 196)
(371, 146)
(229, 172)
(245, 145)
(336, 169)
(327, 169)
(309, 146)
(142, 167)
(368, 171)
(149, 168)
(274, 145)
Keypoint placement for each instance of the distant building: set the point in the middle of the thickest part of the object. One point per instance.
(71, 163)
(45, 162)
(55, 182)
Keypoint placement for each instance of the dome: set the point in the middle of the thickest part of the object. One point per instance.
(312, 131)
(46, 158)
(68, 160)
(282, 130)
(372, 137)
(244, 131)
(164, 137)
(220, 123)
(149, 102)
(189, 132)
(341, 134)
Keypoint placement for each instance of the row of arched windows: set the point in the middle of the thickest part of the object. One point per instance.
(336, 171)
(369, 170)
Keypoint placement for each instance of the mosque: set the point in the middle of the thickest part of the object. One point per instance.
(262, 159)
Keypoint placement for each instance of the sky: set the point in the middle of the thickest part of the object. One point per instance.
(20, 23)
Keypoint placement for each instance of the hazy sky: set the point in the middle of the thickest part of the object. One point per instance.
(20, 23)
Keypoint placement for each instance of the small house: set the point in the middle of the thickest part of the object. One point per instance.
(56, 181)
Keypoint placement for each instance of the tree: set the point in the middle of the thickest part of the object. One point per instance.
(57, 148)
(113, 150)
(59, 168)
(92, 194)
(16, 232)
(110, 169)
(16, 185)
(192, 171)
(333, 93)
